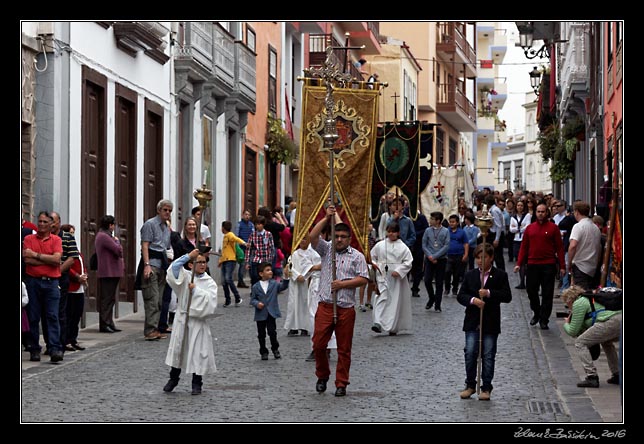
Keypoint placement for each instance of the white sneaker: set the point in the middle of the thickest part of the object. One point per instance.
(237, 304)
(361, 308)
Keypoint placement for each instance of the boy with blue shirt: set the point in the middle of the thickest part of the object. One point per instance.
(435, 246)
(457, 254)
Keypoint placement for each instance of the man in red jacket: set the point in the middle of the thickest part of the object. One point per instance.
(542, 250)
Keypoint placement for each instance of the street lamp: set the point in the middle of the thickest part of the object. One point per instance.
(526, 38)
(535, 80)
(526, 34)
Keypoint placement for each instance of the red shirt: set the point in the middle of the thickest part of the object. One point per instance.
(542, 245)
(43, 245)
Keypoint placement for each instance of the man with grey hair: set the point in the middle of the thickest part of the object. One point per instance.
(151, 273)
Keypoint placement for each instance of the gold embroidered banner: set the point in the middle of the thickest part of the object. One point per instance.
(355, 112)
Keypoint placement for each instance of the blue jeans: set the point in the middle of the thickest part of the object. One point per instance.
(227, 269)
(44, 294)
(472, 354)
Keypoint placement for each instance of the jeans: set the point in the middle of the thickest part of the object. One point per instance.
(45, 295)
(227, 269)
(471, 356)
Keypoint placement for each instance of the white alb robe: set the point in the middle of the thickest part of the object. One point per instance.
(392, 307)
(199, 355)
(297, 314)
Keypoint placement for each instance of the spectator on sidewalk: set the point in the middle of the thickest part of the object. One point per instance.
(111, 269)
(244, 229)
(604, 329)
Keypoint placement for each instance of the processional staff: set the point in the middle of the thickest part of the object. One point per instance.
(484, 222)
(332, 74)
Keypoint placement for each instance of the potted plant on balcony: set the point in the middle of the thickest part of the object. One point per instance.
(560, 150)
(574, 128)
(280, 147)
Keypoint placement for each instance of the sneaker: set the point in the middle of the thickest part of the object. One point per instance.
(484, 396)
(438, 310)
(292, 333)
(429, 305)
(310, 357)
(304, 332)
(469, 391)
(226, 304)
(362, 308)
(377, 328)
(590, 381)
(277, 354)
(239, 302)
(369, 306)
(152, 336)
(264, 356)
(613, 379)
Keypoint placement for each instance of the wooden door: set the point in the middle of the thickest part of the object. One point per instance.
(125, 186)
(250, 183)
(93, 146)
(153, 160)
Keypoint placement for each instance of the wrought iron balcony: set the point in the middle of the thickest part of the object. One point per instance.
(317, 53)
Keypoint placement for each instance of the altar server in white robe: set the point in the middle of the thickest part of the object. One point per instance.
(392, 261)
(198, 356)
(304, 262)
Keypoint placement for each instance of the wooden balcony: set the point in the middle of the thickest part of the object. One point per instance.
(146, 37)
(454, 107)
(317, 53)
(245, 77)
(452, 46)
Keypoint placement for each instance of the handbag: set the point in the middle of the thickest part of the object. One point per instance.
(240, 256)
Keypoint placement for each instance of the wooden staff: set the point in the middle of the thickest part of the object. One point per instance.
(484, 222)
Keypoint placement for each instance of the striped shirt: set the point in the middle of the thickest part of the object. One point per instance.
(349, 264)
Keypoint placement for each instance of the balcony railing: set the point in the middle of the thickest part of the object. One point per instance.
(317, 53)
(575, 68)
(451, 33)
(224, 55)
(197, 44)
(450, 96)
(246, 71)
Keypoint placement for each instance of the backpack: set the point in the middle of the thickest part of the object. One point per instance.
(609, 297)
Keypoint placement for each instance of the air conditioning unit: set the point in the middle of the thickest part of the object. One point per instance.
(45, 28)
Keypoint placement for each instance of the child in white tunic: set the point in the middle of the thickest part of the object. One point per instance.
(392, 260)
(197, 301)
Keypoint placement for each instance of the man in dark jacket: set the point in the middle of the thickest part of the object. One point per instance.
(482, 290)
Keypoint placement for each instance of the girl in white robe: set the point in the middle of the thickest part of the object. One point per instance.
(392, 261)
(198, 354)
(305, 261)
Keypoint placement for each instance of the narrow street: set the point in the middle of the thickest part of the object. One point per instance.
(412, 378)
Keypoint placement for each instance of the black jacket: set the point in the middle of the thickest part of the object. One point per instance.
(499, 287)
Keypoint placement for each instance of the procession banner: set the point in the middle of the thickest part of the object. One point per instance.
(402, 160)
(355, 112)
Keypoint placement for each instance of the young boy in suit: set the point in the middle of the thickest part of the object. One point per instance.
(483, 288)
(264, 298)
